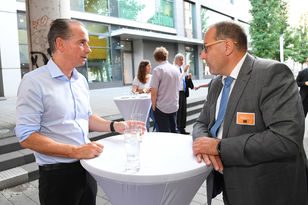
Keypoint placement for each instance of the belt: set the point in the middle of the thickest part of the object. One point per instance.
(52, 167)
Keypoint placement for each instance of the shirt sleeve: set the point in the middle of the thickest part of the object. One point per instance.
(29, 109)
(155, 78)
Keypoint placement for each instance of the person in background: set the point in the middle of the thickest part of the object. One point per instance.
(302, 82)
(202, 86)
(206, 85)
(251, 126)
(165, 92)
(185, 84)
(141, 84)
(54, 118)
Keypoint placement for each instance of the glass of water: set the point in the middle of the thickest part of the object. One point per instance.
(142, 118)
(132, 147)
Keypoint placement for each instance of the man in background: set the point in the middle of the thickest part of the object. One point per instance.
(302, 82)
(185, 84)
(165, 92)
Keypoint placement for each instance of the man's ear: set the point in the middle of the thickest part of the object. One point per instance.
(229, 47)
(60, 44)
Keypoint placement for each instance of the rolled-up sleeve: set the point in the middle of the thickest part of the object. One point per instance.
(29, 109)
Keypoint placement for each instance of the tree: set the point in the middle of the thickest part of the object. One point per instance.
(269, 22)
(300, 44)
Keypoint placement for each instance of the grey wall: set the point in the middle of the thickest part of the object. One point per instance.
(149, 47)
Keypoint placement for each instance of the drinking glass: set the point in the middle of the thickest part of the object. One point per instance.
(132, 148)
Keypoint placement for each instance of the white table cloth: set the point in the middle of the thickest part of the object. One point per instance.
(169, 173)
(134, 104)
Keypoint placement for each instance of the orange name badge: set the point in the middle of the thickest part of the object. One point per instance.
(244, 118)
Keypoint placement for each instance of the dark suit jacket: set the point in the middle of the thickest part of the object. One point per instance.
(302, 77)
(264, 163)
(189, 84)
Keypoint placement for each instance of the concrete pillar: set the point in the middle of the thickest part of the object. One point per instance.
(9, 50)
(138, 53)
(40, 14)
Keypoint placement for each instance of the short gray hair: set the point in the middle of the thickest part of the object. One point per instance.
(177, 58)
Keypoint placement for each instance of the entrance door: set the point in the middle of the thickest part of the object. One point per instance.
(127, 68)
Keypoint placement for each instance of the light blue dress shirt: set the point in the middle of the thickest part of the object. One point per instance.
(52, 105)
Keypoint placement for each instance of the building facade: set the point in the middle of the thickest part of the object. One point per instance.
(122, 33)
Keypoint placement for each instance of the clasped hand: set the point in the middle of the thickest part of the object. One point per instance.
(205, 148)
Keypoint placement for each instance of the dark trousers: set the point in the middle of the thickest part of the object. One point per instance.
(182, 111)
(166, 122)
(69, 184)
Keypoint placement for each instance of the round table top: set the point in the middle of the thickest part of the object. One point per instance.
(164, 157)
(132, 97)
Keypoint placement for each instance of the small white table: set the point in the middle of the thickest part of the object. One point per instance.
(129, 104)
(169, 173)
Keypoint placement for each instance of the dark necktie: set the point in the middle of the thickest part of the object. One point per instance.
(184, 85)
(222, 107)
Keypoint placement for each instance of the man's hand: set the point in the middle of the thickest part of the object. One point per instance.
(205, 148)
(87, 151)
(205, 145)
(306, 83)
(186, 68)
(211, 160)
(120, 126)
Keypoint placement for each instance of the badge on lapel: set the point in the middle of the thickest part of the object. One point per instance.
(245, 118)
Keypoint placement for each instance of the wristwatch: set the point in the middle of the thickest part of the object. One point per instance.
(112, 127)
(218, 147)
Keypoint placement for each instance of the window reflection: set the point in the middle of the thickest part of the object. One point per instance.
(92, 6)
(209, 17)
(23, 43)
(158, 12)
(188, 19)
(98, 67)
(191, 59)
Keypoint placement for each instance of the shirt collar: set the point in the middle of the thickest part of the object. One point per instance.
(236, 69)
(55, 71)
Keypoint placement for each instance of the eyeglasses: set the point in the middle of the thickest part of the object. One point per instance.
(205, 46)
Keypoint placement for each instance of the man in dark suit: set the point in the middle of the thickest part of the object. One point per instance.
(302, 82)
(256, 144)
(185, 84)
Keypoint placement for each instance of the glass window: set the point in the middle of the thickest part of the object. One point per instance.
(23, 43)
(209, 17)
(98, 67)
(158, 12)
(188, 19)
(92, 6)
(190, 58)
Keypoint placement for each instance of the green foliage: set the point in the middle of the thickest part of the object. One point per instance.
(130, 9)
(269, 22)
(96, 6)
(300, 45)
(204, 19)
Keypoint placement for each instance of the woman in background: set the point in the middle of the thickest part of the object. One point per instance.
(141, 84)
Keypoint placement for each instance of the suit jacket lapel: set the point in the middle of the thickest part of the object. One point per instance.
(239, 86)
